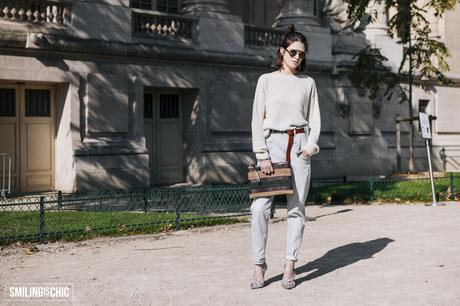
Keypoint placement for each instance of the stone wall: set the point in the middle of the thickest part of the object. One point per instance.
(101, 67)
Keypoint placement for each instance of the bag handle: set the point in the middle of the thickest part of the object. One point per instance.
(255, 170)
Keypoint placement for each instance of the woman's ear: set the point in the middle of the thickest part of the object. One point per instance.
(282, 50)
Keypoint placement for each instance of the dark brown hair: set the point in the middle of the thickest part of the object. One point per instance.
(291, 36)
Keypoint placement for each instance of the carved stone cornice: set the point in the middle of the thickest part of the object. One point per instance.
(298, 12)
(207, 8)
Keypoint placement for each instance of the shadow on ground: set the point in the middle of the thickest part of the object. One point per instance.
(337, 258)
(335, 213)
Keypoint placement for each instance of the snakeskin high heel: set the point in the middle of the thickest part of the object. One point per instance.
(257, 284)
(289, 283)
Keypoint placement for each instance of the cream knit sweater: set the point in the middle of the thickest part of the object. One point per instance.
(281, 103)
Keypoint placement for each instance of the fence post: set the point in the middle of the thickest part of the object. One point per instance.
(398, 143)
(179, 202)
(146, 202)
(42, 219)
(371, 190)
(59, 200)
(452, 191)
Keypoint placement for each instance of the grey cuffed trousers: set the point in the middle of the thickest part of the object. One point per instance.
(260, 208)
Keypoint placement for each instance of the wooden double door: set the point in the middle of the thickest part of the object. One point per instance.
(163, 134)
(27, 124)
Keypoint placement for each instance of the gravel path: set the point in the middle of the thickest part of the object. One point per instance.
(351, 255)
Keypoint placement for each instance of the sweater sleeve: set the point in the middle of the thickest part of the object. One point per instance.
(259, 145)
(314, 122)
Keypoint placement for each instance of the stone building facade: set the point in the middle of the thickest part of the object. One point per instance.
(129, 94)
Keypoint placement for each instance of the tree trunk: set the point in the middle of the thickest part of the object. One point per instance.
(411, 113)
(411, 147)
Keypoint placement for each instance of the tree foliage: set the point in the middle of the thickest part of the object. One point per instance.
(424, 56)
(371, 76)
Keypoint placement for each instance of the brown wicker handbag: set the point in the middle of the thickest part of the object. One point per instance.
(263, 185)
(279, 182)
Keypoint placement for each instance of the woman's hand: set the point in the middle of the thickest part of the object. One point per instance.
(266, 166)
(302, 153)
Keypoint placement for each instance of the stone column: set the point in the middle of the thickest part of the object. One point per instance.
(211, 8)
(380, 25)
(298, 12)
(213, 15)
(436, 25)
(376, 34)
(301, 14)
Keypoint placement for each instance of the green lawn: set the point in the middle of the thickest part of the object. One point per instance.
(383, 191)
(77, 225)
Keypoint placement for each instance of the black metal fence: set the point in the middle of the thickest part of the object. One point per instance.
(72, 215)
(56, 215)
(344, 190)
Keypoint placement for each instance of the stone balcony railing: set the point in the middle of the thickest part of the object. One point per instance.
(163, 25)
(258, 36)
(37, 11)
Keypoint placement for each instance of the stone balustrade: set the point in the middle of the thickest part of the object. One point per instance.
(36, 11)
(164, 25)
(258, 36)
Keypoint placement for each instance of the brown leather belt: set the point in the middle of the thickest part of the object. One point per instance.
(291, 134)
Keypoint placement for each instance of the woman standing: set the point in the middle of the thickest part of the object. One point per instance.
(285, 127)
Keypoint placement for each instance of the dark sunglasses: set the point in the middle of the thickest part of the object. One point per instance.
(293, 52)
